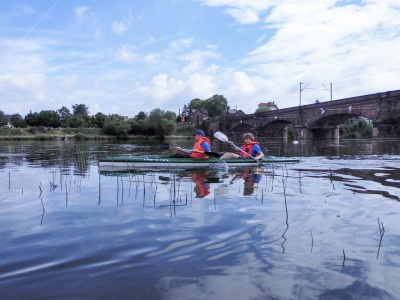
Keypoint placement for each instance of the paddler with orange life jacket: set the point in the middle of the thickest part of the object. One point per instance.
(201, 145)
(251, 147)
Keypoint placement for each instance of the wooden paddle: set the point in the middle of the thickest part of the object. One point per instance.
(166, 146)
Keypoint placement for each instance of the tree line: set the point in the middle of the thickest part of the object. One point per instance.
(158, 122)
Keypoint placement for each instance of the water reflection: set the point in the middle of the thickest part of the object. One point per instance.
(354, 180)
(325, 227)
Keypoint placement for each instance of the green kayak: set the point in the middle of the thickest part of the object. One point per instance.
(122, 163)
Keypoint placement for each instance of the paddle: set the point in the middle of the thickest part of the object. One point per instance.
(167, 146)
(223, 138)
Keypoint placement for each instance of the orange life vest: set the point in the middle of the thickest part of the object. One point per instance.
(248, 148)
(198, 147)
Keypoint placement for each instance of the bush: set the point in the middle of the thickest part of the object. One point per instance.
(356, 129)
(186, 130)
(80, 136)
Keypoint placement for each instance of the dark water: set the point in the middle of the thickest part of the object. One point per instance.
(324, 228)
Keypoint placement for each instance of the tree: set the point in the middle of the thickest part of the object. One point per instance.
(141, 116)
(78, 121)
(356, 129)
(48, 118)
(65, 117)
(80, 109)
(217, 106)
(17, 121)
(83, 111)
(3, 119)
(115, 125)
(161, 122)
(32, 119)
(99, 119)
(185, 111)
(196, 104)
(138, 126)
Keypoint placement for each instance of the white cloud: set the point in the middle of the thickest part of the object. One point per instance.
(80, 12)
(244, 16)
(181, 44)
(127, 53)
(243, 11)
(122, 26)
(195, 60)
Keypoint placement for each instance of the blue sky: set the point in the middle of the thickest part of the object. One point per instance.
(124, 56)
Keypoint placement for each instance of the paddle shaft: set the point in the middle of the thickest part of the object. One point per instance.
(167, 146)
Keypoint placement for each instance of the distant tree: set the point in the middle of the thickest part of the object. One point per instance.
(115, 125)
(48, 118)
(196, 104)
(161, 122)
(185, 111)
(141, 116)
(80, 109)
(137, 126)
(65, 117)
(217, 106)
(356, 129)
(3, 119)
(98, 120)
(17, 121)
(32, 119)
(78, 121)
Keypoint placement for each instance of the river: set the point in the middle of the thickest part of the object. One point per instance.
(324, 228)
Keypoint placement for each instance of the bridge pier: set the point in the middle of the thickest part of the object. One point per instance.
(385, 131)
(336, 133)
(285, 133)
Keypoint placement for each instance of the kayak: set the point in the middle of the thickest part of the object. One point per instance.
(122, 163)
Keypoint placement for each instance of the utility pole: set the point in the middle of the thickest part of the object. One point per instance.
(307, 85)
(329, 89)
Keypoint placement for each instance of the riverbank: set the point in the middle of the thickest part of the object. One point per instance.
(42, 133)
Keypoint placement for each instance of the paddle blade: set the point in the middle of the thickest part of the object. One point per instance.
(222, 137)
(164, 146)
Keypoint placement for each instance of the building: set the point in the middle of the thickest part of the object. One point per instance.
(235, 113)
(270, 104)
(198, 115)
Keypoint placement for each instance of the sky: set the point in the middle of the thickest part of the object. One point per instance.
(123, 57)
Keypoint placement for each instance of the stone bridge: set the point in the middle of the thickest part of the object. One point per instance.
(319, 120)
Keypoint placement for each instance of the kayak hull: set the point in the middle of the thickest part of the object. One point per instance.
(122, 163)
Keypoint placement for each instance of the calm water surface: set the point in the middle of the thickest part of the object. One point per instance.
(324, 228)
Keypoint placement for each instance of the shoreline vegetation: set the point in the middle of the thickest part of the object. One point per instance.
(67, 134)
